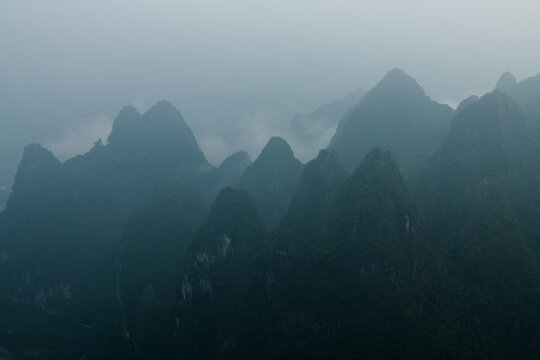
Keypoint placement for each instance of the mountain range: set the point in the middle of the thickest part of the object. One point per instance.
(414, 234)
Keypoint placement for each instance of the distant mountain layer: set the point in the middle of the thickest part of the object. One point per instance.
(307, 128)
(395, 115)
(527, 94)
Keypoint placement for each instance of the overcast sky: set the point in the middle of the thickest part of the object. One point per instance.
(239, 70)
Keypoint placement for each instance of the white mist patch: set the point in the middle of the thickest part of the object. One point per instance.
(214, 148)
(308, 151)
(450, 102)
(454, 104)
(80, 138)
(257, 127)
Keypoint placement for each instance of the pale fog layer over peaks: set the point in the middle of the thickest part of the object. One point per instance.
(238, 71)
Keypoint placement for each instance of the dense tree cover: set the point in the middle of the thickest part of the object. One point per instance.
(395, 115)
(221, 285)
(121, 245)
(481, 196)
(488, 141)
(155, 241)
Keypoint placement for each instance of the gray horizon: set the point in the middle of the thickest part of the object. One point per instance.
(238, 72)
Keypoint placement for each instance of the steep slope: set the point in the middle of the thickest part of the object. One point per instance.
(228, 173)
(60, 260)
(480, 195)
(216, 298)
(36, 173)
(395, 115)
(488, 141)
(364, 280)
(380, 264)
(271, 180)
(307, 213)
(152, 248)
(527, 94)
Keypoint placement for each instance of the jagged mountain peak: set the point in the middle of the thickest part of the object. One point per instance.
(35, 154)
(36, 169)
(494, 109)
(396, 115)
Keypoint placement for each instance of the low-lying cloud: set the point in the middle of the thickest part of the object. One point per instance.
(80, 138)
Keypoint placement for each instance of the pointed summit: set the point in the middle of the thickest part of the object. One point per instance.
(276, 146)
(218, 268)
(488, 141)
(160, 137)
(395, 115)
(376, 241)
(374, 202)
(375, 182)
(397, 82)
(35, 173)
(313, 197)
(506, 82)
(124, 126)
(527, 94)
(271, 180)
(163, 109)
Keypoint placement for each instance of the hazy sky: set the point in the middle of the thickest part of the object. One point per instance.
(239, 70)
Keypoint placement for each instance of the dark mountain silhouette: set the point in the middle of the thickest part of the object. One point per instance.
(309, 207)
(63, 220)
(480, 195)
(378, 246)
(219, 290)
(117, 254)
(488, 141)
(152, 248)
